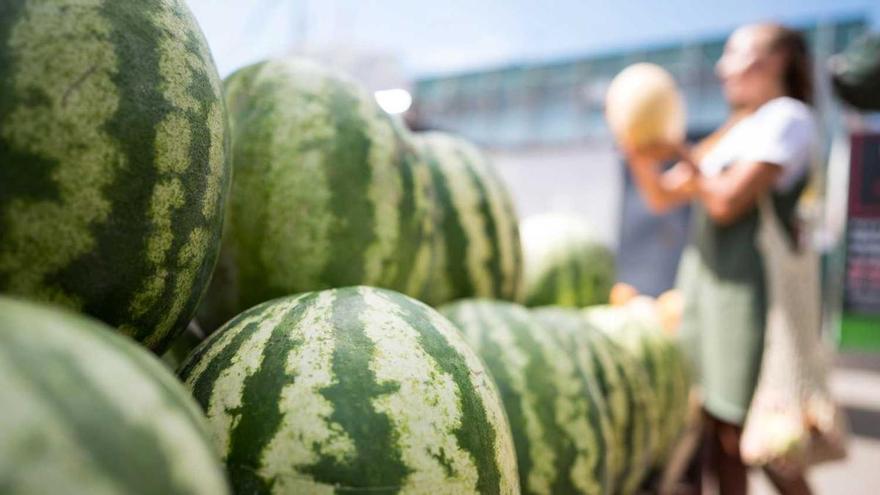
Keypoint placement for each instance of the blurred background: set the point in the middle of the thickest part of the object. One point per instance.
(526, 80)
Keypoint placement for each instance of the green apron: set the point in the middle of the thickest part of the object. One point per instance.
(721, 277)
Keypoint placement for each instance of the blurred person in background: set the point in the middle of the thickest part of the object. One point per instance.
(766, 146)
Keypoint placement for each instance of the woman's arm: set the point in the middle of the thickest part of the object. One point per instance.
(783, 133)
(663, 191)
(728, 196)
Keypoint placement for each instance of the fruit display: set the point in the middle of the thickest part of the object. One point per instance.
(280, 240)
(113, 161)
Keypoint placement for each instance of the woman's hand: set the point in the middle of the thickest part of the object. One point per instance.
(687, 157)
(682, 180)
(653, 155)
(663, 190)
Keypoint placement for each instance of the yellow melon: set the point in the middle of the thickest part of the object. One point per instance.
(644, 107)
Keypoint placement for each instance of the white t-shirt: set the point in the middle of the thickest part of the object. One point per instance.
(782, 132)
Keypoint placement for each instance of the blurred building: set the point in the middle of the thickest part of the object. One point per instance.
(544, 125)
(559, 103)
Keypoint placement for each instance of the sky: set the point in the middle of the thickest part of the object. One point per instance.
(447, 36)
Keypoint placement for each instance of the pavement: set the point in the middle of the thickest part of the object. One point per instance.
(856, 384)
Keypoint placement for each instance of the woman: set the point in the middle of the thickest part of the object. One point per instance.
(764, 148)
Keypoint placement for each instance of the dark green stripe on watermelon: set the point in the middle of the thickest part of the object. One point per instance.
(96, 274)
(353, 394)
(348, 182)
(492, 233)
(568, 329)
(261, 391)
(491, 354)
(406, 251)
(541, 383)
(38, 184)
(415, 218)
(201, 389)
(638, 453)
(472, 435)
(455, 239)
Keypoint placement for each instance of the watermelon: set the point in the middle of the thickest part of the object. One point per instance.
(625, 388)
(354, 389)
(89, 412)
(556, 414)
(328, 190)
(564, 263)
(478, 248)
(638, 330)
(113, 160)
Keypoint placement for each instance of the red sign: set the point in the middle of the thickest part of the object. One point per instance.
(862, 282)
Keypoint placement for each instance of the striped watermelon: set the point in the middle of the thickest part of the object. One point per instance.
(624, 386)
(88, 412)
(557, 418)
(564, 263)
(354, 389)
(479, 252)
(113, 167)
(640, 333)
(328, 190)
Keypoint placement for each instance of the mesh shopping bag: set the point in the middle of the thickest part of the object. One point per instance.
(793, 421)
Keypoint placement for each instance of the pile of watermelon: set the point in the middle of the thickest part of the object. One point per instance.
(596, 397)
(345, 312)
